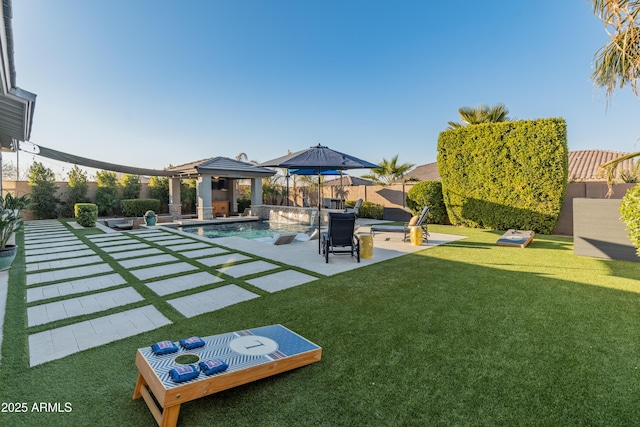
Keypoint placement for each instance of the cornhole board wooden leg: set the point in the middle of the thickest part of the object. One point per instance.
(167, 417)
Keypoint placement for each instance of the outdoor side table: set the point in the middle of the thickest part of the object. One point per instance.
(416, 235)
(251, 354)
(366, 245)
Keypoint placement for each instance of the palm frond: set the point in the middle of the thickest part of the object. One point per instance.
(608, 170)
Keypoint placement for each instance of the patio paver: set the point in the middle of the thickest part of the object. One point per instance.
(162, 236)
(182, 283)
(135, 254)
(127, 247)
(223, 259)
(74, 287)
(59, 255)
(52, 244)
(172, 241)
(50, 312)
(248, 268)
(54, 250)
(63, 263)
(108, 237)
(67, 273)
(60, 342)
(211, 300)
(281, 280)
(188, 246)
(148, 260)
(162, 270)
(104, 243)
(199, 253)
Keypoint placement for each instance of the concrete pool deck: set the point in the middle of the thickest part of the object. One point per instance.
(70, 277)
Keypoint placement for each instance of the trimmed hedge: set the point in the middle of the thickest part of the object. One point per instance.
(630, 210)
(371, 210)
(86, 214)
(137, 207)
(428, 193)
(505, 175)
(367, 209)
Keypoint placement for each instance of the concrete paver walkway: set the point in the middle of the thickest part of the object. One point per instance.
(68, 276)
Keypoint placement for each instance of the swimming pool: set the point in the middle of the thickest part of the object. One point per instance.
(248, 229)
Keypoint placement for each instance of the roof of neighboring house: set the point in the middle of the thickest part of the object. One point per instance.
(584, 164)
(428, 172)
(348, 180)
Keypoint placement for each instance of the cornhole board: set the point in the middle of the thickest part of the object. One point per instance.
(518, 238)
(251, 354)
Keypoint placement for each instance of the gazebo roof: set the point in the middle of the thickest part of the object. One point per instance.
(221, 167)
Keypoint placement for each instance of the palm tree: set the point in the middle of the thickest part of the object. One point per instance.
(481, 114)
(389, 171)
(617, 63)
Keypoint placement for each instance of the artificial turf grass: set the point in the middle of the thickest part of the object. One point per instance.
(451, 335)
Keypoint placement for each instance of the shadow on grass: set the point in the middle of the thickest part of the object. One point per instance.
(626, 269)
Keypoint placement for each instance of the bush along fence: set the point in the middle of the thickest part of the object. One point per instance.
(138, 207)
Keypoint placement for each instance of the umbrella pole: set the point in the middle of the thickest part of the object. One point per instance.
(319, 213)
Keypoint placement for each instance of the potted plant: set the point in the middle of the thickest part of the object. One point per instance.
(150, 218)
(10, 221)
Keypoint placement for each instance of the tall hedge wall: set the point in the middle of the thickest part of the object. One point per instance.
(505, 175)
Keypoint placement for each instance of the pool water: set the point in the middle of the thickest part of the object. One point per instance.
(247, 229)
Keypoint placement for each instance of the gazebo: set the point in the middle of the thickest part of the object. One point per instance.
(216, 190)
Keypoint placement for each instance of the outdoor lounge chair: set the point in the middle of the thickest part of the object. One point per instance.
(340, 234)
(356, 208)
(420, 221)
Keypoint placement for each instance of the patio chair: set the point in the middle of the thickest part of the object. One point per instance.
(356, 208)
(420, 221)
(340, 234)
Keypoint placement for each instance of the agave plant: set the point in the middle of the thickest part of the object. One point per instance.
(10, 219)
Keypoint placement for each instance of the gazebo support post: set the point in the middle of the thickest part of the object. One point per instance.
(203, 190)
(256, 191)
(175, 204)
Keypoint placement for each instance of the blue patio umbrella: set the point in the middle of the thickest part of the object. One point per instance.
(319, 159)
(308, 171)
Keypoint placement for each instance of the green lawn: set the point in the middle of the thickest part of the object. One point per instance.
(469, 333)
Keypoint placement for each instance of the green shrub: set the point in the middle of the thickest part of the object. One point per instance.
(371, 210)
(428, 193)
(505, 175)
(107, 192)
(243, 203)
(131, 186)
(159, 189)
(78, 185)
(86, 214)
(44, 203)
(630, 210)
(137, 207)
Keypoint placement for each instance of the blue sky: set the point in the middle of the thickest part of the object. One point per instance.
(150, 83)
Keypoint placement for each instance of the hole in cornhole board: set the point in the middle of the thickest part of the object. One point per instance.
(517, 238)
(187, 359)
